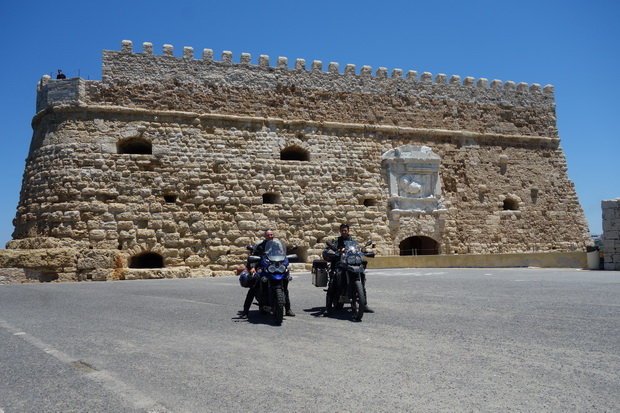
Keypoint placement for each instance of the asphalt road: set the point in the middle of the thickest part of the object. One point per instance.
(453, 340)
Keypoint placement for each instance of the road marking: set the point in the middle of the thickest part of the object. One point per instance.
(104, 378)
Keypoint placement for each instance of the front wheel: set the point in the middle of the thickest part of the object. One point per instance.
(359, 301)
(278, 310)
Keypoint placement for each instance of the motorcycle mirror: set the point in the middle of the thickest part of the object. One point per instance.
(368, 243)
(253, 258)
(249, 247)
(330, 253)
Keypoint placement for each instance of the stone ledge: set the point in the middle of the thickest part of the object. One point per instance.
(48, 258)
(542, 259)
(154, 273)
(82, 107)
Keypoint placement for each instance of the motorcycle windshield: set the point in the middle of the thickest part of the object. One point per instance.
(351, 245)
(275, 251)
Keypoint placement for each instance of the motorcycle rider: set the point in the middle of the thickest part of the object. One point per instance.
(339, 243)
(259, 250)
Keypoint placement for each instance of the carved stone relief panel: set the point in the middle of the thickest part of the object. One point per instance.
(413, 178)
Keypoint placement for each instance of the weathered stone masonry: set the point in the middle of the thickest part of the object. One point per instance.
(186, 160)
(611, 233)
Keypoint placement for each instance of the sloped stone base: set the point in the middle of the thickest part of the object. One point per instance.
(72, 264)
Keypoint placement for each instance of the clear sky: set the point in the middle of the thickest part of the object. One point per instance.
(573, 45)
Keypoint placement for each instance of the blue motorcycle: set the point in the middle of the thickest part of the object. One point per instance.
(273, 273)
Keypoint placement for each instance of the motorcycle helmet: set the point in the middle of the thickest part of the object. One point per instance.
(247, 279)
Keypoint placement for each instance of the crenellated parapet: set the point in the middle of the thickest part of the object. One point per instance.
(301, 90)
(333, 68)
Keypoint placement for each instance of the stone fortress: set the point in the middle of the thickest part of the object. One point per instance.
(169, 165)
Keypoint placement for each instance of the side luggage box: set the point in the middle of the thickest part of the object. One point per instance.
(319, 273)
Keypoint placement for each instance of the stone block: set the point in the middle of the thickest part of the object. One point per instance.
(193, 261)
(96, 234)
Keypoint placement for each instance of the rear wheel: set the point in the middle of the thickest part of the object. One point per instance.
(359, 301)
(278, 310)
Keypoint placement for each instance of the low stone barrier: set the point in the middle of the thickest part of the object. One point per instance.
(545, 260)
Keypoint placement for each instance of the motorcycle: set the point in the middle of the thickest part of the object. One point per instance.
(347, 269)
(272, 272)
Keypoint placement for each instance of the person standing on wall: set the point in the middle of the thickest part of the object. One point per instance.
(60, 75)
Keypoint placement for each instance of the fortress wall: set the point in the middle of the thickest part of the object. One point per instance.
(78, 192)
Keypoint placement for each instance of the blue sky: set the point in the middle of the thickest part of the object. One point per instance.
(573, 45)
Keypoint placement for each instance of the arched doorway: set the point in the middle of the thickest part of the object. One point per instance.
(419, 245)
(146, 260)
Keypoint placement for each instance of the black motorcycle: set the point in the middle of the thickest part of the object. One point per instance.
(272, 272)
(347, 270)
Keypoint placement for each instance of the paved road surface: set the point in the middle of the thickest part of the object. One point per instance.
(441, 340)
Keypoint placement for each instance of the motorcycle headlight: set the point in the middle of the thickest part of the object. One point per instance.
(277, 269)
(354, 260)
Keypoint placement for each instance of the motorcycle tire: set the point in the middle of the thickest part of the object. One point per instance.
(278, 310)
(359, 301)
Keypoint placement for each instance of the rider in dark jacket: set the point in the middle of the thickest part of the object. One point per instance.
(259, 250)
(339, 243)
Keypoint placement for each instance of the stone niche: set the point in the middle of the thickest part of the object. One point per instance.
(413, 179)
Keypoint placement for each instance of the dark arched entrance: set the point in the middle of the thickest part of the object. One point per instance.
(419, 245)
(146, 260)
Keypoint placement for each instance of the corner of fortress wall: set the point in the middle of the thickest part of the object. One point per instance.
(52, 93)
